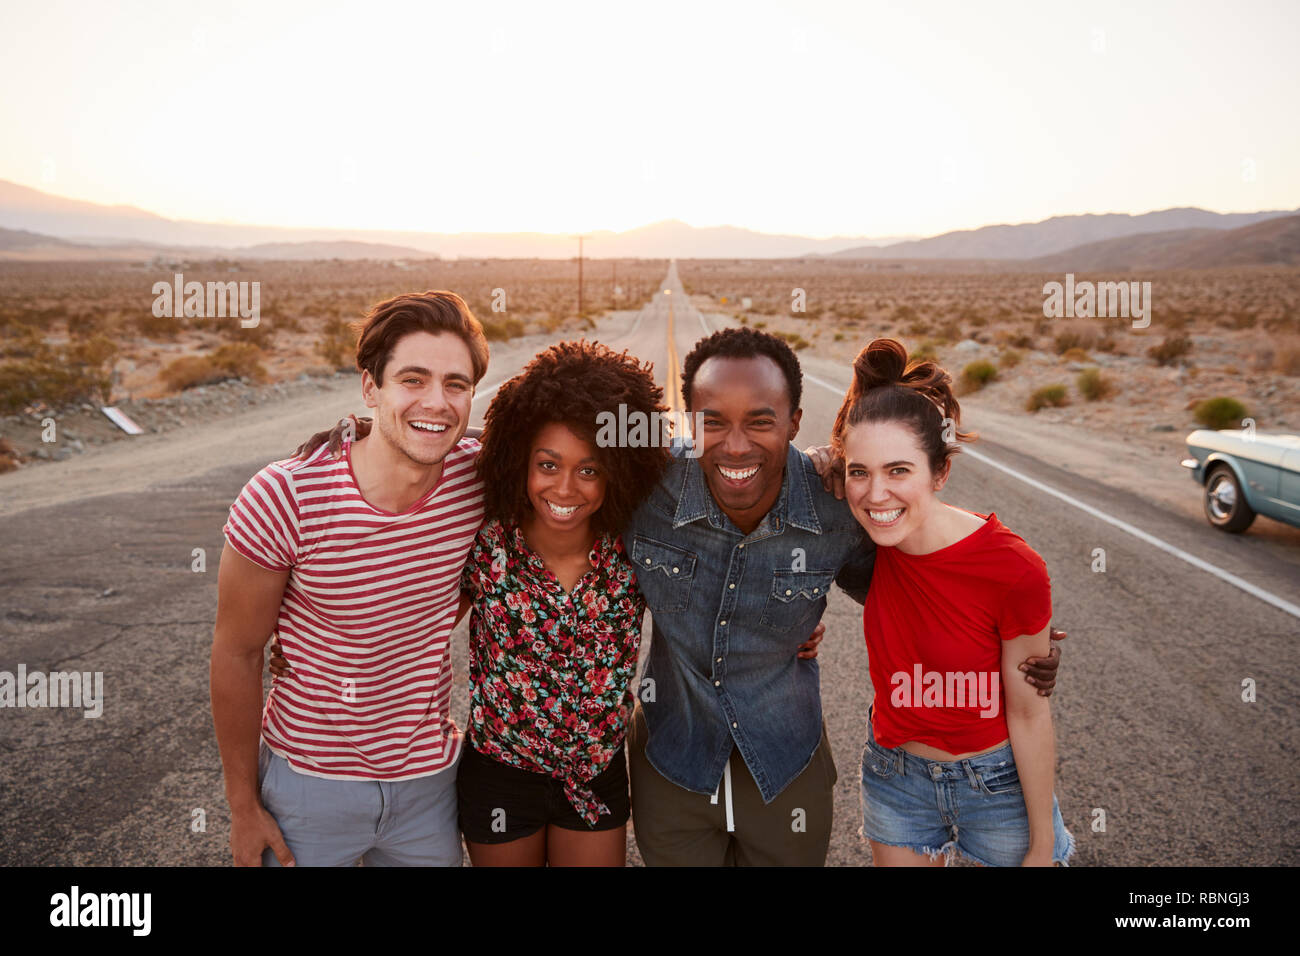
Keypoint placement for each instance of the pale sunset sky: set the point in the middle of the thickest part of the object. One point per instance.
(808, 117)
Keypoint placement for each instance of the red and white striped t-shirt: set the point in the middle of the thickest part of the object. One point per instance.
(366, 616)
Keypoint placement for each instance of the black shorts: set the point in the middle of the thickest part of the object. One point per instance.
(500, 803)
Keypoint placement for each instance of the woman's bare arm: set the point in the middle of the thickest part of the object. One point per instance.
(1033, 742)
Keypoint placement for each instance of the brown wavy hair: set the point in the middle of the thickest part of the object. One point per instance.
(570, 383)
(434, 311)
(889, 388)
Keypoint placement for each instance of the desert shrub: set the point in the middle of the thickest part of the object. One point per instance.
(235, 360)
(190, 371)
(1074, 337)
(337, 344)
(1287, 360)
(927, 351)
(1093, 385)
(9, 456)
(949, 331)
(156, 328)
(1054, 395)
(260, 336)
(21, 341)
(1075, 354)
(797, 341)
(1010, 358)
(288, 323)
(81, 371)
(1220, 412)
(501, 328)
(1171, 349)
(1019, 340)
(978, 374)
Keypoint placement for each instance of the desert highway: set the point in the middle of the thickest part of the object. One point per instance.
(1176, 712)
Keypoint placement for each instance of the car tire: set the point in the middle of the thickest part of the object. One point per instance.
(1225, 506)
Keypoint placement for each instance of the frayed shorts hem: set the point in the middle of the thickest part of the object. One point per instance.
(952, 847)
(932, 852)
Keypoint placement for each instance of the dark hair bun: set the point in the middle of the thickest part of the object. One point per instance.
(883, 362)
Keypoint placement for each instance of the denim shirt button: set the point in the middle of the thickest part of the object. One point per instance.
(734, 724)
(717, 683)
(722, 624)
(731, 587)
(720, 661)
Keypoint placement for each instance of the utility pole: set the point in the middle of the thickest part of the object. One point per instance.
(580, 238)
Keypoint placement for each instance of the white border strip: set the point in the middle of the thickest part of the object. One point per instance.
(1244, 585)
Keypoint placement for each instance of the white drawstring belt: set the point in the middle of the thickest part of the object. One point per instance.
(726, 782)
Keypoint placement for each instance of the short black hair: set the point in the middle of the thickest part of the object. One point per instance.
(571, 383)
(745, 343)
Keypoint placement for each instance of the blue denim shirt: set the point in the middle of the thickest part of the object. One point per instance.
(730, 611)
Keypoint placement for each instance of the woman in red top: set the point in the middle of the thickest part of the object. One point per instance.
(960, 752)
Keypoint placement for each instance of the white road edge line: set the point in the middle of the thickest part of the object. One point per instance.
(1244, 585)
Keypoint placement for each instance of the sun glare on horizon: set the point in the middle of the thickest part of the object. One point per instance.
(811, 118)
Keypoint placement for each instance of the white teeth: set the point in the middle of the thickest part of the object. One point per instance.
(426, 427)
(884, 517)
(738, 475)
(561, 512)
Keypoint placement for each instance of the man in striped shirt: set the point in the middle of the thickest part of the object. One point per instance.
(355, 566)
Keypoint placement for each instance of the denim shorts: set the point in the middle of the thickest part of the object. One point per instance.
(974, 805)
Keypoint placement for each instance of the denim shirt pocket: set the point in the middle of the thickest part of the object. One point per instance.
(664, 573)
(794, 597)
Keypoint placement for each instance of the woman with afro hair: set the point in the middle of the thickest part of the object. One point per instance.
(555, 625)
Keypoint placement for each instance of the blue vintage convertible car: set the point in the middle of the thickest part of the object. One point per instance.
(1246, 473)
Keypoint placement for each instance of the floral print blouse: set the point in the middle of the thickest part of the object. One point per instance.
(550, 670)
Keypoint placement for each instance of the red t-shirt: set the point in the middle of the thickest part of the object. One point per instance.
(935, 624)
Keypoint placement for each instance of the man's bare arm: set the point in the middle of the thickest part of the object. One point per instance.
(248, 604)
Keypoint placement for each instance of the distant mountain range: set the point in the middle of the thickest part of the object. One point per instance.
(1271, 242)
(35, 225)
(1036, 239)
(87, 223)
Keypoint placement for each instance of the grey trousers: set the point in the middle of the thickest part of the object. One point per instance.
(338, 822)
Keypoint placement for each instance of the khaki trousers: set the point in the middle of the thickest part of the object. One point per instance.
(677, 827)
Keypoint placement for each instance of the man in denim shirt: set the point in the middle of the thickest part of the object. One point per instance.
(735, 552)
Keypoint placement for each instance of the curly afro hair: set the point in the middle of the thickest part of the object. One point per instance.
(744, 343)
(571, 383)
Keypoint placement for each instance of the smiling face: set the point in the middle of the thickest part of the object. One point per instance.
(566, 485)
(888, 483)
(746, 426)
(423, 407)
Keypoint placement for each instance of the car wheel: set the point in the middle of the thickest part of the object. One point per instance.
(1225, 505)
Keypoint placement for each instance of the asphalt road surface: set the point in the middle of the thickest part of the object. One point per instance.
(1176, 710)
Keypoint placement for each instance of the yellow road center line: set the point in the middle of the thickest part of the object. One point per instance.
(673, 387)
